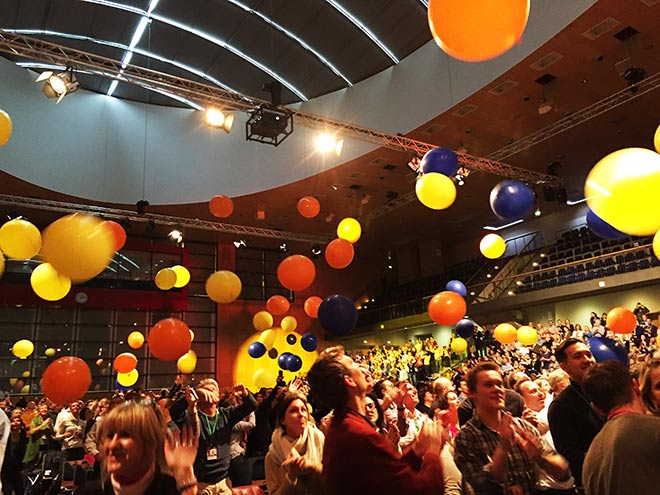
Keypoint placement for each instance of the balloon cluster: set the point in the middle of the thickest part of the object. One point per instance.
(177, 276)
(434, 187)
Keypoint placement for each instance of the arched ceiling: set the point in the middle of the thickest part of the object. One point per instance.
(579, 67)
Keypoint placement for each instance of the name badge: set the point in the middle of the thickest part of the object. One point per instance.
(212, 454)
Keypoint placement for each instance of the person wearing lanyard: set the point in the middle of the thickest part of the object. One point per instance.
(623, 458)
(215, 424)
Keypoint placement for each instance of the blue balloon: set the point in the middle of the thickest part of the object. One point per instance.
(511, 200)
(293, 363)
(441, 160)
(308, 342)
(281, 361)
(601, 228)
(120, 387)
(456, 286)
(465, 328)
(256, 349)
(337, 315)
(606, 349)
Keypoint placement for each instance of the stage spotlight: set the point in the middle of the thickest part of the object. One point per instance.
(241, 243)
(283, 247)
(218, 119)
(327, 143)
(58, 85)
(176, 235)
(269, 125)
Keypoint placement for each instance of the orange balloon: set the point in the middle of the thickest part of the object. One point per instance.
(447, 308)
(477, 30)
(505, 333)
(118, 234)
(125, 362)
(296, 272)
(169, 339)
(312, 306)
(339, 253)
(621, 320)
(221, 206)
(309, 206)
(277, 305)
(66, 380)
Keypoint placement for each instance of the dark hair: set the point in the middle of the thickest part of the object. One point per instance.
(471, 378)
(380, 420)
(284, 405)
(560, 352)
(326, 378)
(378, 387)
(647, 391)
(607, 385)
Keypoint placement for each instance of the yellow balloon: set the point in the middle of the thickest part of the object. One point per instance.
(2, 264)
(99, 361)
(505, 333)
(459, 345)
(78, 246)
(25, 389)
(263, 320)
(656, 139)
(349, 229)
(223, 286)
(48, 284)
(264, 378)
(187, 362)
(182, 276)
(267, 338)
(492, 246)
(25, 374)
(5, 127)
(435, 191)
(128, 379)
(165, 278)
(20, 239)
(527, 335)
(622, 189)
(192, 335)
(289, 323)
(656, 244)
(135, 340)
(244, 366)
(22, 348)
(12, 381)
(50, 352)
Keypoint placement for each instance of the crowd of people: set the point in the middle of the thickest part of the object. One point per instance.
(509, 419)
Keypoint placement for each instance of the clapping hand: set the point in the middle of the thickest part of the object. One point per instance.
(181, 449)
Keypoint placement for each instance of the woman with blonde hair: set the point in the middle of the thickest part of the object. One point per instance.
(136, 458)
(293, 462)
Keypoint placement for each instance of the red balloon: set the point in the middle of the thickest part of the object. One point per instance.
(66, 380)
(309, 206)
(118, 234)
(621, 320)
(125, 362)
(296, 272)
(277, 305)
(169, 339)
(339, 253)
(221, 206)
(312, 306)
(447, 308)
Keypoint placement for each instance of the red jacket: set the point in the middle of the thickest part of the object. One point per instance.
(357, 460)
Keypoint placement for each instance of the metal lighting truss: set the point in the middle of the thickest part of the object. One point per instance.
(36, 49)
(194, 223)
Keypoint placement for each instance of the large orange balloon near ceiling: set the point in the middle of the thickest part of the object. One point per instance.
(477, 30)
(339, 253)
(277, 305)
(66, 380)
(621, 320)
(221, 206)
(296, 272)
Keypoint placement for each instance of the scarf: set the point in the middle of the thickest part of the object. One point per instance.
(309, 445)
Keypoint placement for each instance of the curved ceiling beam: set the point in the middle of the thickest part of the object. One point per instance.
(362, 27)
(292, 36)
(120, 46)
(205, 36)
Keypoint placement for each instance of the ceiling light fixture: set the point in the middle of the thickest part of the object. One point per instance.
(58, 85)
(176, 235)
(327, 143)
(218, 119)
(241, 243)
